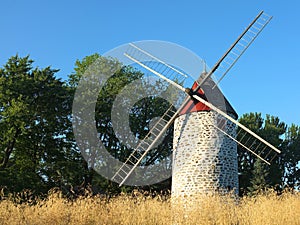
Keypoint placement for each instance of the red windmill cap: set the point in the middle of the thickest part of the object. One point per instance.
(193, 105)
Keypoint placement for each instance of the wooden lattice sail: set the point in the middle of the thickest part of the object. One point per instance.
(224, 124)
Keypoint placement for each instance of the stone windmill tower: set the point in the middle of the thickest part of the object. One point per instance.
(204, 159)
(206, 130)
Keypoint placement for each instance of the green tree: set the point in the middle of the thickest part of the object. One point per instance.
(90, 67)
(252, 174)
(291, 157)
(246, 160)
(34, 125)
(140, 116)
(258, 179)
(80, 68)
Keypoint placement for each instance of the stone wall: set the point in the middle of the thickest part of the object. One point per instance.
(204, 159)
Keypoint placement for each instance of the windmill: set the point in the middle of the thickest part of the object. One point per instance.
(206, 130)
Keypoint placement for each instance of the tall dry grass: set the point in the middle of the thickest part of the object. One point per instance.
(263, 209)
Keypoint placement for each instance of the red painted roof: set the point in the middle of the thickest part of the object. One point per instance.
(193, 105)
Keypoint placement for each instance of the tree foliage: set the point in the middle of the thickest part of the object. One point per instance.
(140, 115)
(37, 146)
(291, 157)
(34, 126)
(283, 171)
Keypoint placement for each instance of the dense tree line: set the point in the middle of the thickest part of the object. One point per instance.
(38, 150)
(283, 172)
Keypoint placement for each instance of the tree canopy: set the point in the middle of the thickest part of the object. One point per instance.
(34, 126)
(38, 150)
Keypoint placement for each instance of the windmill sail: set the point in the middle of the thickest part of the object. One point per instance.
(155, 65)
(144, 146)
(240, 46)
(223, 65)
(250, 141)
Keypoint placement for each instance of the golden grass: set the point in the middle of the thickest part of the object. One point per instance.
(262, 209)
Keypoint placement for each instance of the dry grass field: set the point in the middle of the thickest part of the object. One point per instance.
(263, 209)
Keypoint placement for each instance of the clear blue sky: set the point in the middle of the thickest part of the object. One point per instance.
(266, 79)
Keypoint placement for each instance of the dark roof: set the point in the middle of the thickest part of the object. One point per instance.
(215, 96)
(211, 94)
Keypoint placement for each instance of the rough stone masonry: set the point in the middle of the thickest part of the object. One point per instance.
(204, 159)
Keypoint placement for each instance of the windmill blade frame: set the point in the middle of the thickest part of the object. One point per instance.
(244, 145)
(144, 147)
(211, 106)
(223, 65)
(228, 59)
